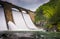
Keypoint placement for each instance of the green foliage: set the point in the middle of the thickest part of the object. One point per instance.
(56, 17)
(50, 12)
(48, 9)
(39, 15)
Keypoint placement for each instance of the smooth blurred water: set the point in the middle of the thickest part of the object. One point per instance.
(3, 25)
(29, 22)
(18, 19)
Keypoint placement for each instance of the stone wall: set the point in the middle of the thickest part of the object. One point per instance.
(32, 15)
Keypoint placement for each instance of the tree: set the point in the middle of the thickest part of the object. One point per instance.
(50, 12)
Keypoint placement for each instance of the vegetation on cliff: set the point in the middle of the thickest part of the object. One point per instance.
(50, 13)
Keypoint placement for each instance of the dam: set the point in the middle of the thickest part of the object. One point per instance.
(15, 18)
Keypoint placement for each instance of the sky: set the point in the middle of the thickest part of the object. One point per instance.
(28, 4)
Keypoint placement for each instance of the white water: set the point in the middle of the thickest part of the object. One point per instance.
(18, 19)
(3, 26)
(12, 26)
(29, 22)
(23, 21)
(20, 23)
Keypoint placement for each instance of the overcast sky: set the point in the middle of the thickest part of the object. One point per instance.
(28, 4)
